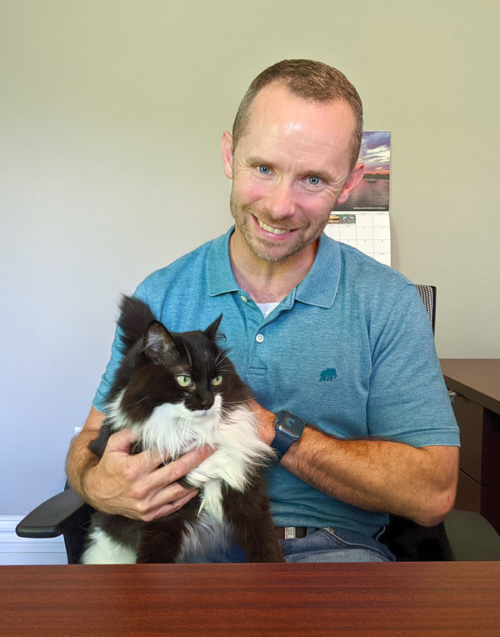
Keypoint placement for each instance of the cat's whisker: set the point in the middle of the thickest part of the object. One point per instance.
(220, 355)
(224, 367)
(227, 370)
(222, 352)
(236, 402)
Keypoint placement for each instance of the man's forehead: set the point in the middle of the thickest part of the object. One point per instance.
(275, 106)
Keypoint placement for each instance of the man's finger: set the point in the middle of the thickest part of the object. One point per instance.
(152, 459)
(187, 462)
(177, 469)
(121, 441)
(171, 507)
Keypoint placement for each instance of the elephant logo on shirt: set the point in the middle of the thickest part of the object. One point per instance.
(328, 374)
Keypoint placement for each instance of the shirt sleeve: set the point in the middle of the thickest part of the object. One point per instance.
(408, 399)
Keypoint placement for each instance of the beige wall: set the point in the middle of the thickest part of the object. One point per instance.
(111, 113)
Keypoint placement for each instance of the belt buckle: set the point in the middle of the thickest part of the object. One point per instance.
(290, 532)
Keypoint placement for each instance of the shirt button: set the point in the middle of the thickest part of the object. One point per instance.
(259, 338)
(243, 298)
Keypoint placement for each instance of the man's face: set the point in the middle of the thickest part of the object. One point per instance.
(288, 170)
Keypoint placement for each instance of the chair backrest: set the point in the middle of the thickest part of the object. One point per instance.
(428, 296)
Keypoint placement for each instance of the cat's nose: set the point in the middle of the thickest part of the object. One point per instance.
(205, 401)
(206, 404)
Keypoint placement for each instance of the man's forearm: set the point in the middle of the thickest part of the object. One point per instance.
(378, 475)
(80, 459)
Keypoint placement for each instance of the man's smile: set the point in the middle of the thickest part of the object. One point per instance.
(272, 229)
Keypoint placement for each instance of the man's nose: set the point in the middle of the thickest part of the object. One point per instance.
(280, 201)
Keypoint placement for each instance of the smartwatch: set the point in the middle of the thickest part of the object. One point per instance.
(289, 428)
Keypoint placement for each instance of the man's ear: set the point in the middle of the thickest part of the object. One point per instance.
(227, 154)
(352, 182)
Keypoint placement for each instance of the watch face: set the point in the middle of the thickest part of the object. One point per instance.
(289, 423)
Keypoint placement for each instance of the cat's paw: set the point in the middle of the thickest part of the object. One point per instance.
(204, 472)
(195, 479)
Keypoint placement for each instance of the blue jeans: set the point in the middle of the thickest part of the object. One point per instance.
(325, 545)
(335, 545)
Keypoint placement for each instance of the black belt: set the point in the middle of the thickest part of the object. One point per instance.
(290, 532)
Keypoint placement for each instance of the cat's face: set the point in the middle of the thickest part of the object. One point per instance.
(187, 370)
(176, 389)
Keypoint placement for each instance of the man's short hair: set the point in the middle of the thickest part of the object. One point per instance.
(310, 80)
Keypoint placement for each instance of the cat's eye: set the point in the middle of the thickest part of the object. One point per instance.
(217, 381)
(183, 380)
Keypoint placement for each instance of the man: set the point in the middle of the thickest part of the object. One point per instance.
(314, 327)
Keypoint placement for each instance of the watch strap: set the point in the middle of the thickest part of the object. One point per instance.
(281, 443)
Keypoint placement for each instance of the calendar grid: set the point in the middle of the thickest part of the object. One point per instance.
(369, 232)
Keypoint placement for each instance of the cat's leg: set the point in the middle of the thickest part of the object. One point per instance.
(161, 541)
(103, 549)
(253, 527)
(112, 539)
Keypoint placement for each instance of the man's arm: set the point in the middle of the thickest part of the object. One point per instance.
(80, 459)
(138, 486)
(417, 483)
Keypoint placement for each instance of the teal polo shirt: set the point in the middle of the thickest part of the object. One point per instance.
(350, 350)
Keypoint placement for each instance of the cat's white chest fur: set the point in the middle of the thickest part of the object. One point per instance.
(173, 430)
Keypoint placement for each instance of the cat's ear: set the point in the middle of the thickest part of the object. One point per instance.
(158, 343)
(211, 330)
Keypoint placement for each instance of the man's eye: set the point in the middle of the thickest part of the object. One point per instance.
(264, 170)
(313, 181)
(183, 380)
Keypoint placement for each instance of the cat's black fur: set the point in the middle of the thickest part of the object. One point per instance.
(145, 380)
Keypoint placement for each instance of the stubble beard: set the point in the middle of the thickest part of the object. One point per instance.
(242, 216)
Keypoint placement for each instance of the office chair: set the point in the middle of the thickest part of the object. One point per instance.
(464, 535)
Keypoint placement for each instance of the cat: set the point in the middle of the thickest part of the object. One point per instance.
(176, 392)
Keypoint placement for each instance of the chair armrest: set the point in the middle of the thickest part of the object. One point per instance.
(471, 537)
(55, 516)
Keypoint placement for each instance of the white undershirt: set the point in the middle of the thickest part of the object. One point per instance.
(267, 308)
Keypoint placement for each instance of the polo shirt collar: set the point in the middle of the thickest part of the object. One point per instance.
(319, 286)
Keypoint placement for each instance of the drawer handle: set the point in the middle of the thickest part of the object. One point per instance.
(452, 395)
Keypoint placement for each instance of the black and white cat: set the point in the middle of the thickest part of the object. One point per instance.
(176, 392)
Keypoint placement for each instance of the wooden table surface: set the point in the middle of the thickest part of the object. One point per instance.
(475, 378)
(374, 600)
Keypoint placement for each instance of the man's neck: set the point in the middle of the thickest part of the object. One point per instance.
(268, 282)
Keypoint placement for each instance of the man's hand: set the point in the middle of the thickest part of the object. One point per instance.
(139, 486)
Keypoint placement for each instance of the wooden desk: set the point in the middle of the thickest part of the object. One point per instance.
(477, 409)
(449, 599)
(476, 378)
